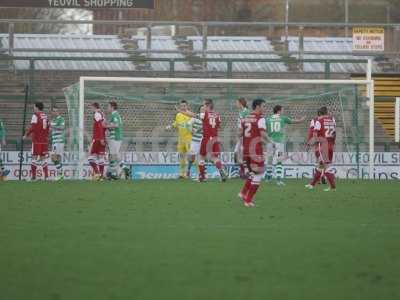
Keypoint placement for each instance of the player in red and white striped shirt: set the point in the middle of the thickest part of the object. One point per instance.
(324, 137)
(39, 131)
(310, 132)
(97, 149)
(310, 135)
(252, 132)
(210, 146)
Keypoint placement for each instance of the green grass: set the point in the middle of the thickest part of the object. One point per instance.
(184, 240)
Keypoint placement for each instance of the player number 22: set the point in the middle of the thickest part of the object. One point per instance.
(330, 131)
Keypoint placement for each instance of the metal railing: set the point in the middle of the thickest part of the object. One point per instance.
(203, 29)
(172, 61)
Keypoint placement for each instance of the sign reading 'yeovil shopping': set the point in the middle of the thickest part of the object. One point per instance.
(86, 4)
(368, 39)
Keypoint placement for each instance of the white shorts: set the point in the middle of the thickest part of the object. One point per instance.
(275, 150)
(57, 148)
(195, 148)
(238, 147)
(114, 147)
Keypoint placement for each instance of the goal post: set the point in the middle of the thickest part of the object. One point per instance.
(371, 99)
(130, 84)
(397, 120)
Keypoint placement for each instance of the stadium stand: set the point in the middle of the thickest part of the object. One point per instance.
(214, 43)
(221, 43)
(69, 43)
(330, 45)
(160, 43)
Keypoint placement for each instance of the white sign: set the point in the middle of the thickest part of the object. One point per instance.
(368, 39)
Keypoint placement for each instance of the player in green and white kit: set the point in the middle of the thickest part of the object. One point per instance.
(241, 104)
(196, 128)
(3, 171)
(276, 147)
(114, 142)
(57, 127)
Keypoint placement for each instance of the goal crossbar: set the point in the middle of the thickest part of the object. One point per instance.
(227, 81)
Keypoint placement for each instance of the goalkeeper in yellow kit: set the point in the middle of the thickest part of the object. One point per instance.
(182, 125)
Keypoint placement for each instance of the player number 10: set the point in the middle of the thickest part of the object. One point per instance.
(276, 126)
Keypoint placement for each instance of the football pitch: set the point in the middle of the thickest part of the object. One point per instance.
(185, 240)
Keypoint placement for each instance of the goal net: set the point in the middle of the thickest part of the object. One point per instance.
(147, 107)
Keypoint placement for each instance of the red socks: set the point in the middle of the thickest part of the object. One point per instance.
(101, 169)
(242, 171)
(252, 191)
(245, 188)
(202, 171)
(44, 167)
(317, 177)
(250, 188)
(45, 170)
(331, 179)
(33, 170)
(94, 167)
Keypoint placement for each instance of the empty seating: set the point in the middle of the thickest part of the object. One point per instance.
(223, 43)
(162, 43)
(329, 45)
(68, 43)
